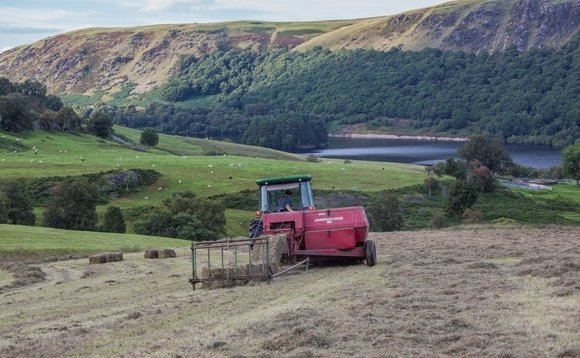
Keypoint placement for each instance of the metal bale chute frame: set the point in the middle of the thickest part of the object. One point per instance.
(230, 261)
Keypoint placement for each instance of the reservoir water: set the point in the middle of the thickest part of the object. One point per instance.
(426, 152)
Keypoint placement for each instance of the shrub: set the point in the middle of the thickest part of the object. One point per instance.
(210, 213)
(149, 137)
(100, 124)
(431, 185)
(482, 175)
(462, 195)
(472, 217)
(312, 159)
(503, 221)
(20, 210)
(113, 220)
(438, 221)
(385, 213)
(72, 206)
(181, 226)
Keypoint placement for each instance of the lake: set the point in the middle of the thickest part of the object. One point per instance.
(428, 152)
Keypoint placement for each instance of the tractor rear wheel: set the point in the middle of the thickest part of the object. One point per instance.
(255, 229)
(370, 253)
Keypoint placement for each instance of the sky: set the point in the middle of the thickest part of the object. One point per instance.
(25, 21)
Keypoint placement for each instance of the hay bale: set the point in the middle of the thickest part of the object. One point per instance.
(151, 254)
(277, 248)
(167, 253)
(218, 277)
(254, 269)
(106, 257)
(97, 259)
(114, 256)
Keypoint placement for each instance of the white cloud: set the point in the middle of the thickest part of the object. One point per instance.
(41, 21)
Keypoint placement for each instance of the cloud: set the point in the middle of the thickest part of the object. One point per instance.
(152, 6)
(28, 30)
(20, 21)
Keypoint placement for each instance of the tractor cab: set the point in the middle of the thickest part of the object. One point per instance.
(274, 190)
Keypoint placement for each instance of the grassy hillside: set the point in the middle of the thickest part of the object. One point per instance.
(230, 173)
(30, 243)
(185, 165)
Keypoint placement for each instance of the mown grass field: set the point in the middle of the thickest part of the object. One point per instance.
(481, 291)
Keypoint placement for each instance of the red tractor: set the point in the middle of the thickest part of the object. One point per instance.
(287, 207)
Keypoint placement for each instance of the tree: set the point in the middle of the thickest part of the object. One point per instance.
(571, 162)
(185, 217)
(113, 220)
(482, 175)
(452, 167)
(20, 208)
(209, 212)
(15, 115)
(100, 124)
(4, 205)
(149, 137)
(67, 119)
(488, 151)
(72, 206)
(462, 195)
(385, 213)
(182, 226)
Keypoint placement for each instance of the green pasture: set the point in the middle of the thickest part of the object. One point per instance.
(206, 167)
(26, 242)
(183, 165)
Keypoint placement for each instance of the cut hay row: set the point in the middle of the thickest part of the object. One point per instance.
(22, 274)
(106, 257)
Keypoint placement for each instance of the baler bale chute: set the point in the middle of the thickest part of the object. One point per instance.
(317, 234)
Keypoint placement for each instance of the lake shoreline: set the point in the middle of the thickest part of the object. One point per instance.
(395, 136)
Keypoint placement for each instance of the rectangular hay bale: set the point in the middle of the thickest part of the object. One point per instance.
(167, 253)
(151, 254)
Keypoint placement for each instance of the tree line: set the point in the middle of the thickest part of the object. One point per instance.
(26, 106)
(70, 203)
(288, 131)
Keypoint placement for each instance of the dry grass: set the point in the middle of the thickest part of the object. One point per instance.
(473, 292)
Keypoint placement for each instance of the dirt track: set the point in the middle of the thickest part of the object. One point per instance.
(473, 292)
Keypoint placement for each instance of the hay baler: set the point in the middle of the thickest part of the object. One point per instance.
(317, 234)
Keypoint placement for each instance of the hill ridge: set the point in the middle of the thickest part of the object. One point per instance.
(136, 59)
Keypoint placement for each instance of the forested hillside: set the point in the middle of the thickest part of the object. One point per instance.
(508, 69)
(516, 96)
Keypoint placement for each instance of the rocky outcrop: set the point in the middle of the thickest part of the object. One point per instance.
(469, 26)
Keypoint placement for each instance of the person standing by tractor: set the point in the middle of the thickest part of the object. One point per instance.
(285, 202)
